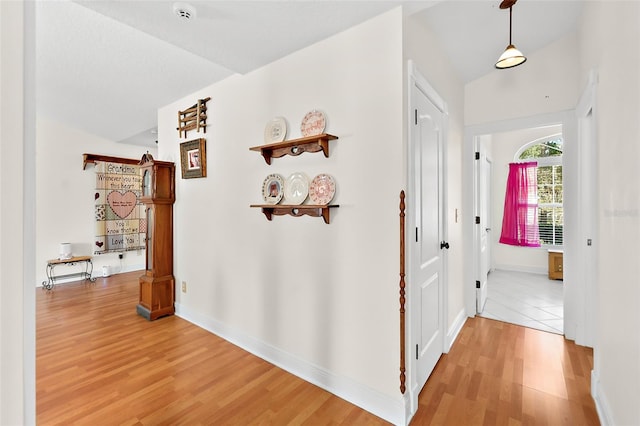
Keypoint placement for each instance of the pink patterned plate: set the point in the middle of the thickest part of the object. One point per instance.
(322, 189)
(313, 123)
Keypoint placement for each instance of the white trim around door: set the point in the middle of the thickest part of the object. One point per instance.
(417, 262)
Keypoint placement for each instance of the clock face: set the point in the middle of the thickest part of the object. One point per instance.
(146, 183)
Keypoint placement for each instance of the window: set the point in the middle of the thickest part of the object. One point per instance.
(548, 153)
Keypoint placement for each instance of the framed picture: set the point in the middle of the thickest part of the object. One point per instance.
(193, 159)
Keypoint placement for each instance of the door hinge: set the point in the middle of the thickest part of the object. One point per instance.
(477, 284)
(415, 116)
(477, 155)
(416, 351)
(416, 234)
(477, 220)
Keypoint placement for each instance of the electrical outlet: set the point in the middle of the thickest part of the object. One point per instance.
(184, 286)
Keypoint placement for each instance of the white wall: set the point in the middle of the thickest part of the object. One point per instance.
(545, 83)
(610, 31)
(17, 144)
(65, 203)
(11, 215)
(320, 300)
(421, 46)
(504, 147)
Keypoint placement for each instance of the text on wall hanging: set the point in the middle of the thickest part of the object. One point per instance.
(119, 215)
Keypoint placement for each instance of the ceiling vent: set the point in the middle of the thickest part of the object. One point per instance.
(184, 11)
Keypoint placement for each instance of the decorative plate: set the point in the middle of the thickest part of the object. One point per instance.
(322, 189)
(275, 130)
(313, 123)
(273, 189)
(296, 188)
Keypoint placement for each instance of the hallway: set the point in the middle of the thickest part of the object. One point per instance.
(503, 374)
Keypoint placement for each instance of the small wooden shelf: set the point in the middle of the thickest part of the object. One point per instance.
(297, 210)
(92, 158)
(295, 147)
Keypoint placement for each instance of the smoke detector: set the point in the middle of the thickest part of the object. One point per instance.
(184, 11)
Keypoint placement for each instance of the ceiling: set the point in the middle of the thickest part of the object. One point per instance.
(105, 67)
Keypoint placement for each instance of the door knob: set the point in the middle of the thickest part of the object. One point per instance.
(444, 244)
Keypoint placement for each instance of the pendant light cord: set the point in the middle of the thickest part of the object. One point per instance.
(510, 18)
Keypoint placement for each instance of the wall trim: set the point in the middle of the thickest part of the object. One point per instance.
(384, 406)
(602, 403)
(97, 273)
(455, 329)
(521, 268)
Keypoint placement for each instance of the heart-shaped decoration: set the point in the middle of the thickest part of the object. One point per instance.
(96, 196)
(99, 244)
(122, 204)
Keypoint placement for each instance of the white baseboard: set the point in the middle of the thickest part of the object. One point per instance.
(602, 404)
(96, 273)
(521, 268)
(382, 405)
(455, 329)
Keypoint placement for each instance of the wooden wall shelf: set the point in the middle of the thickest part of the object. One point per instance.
(92, 158)
(295, 147)
(270, 210)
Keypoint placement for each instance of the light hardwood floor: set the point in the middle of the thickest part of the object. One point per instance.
(98, 363)
(504, 374)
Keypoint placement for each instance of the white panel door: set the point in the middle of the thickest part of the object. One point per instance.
(427, 283)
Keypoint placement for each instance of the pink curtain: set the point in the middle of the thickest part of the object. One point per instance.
(520, 220)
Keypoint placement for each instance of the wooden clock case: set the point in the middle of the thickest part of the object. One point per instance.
(157, 285)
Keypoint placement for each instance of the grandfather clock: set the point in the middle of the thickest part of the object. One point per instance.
(157, 285)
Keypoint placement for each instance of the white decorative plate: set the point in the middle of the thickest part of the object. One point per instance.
(296, 188)
(313, 123)
(322, 189)
(273, 189)
(275, 130)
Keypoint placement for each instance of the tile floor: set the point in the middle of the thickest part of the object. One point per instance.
(530, 300)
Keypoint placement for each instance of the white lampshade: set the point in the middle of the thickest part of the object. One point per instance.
(510, 58)
(65, 251)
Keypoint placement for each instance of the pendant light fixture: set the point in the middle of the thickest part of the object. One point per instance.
(511, 57)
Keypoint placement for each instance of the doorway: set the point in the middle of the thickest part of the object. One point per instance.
(576, 326)
(518, 289)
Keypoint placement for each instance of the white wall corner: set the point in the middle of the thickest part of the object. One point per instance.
(455, 329)
(602, 403)
(384, 406)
